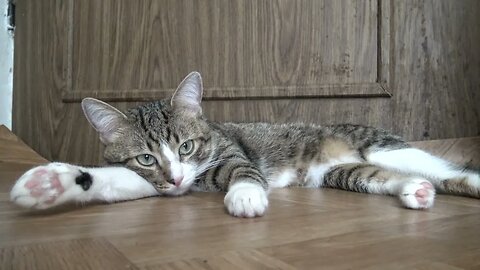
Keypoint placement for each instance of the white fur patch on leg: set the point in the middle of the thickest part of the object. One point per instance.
(316, 172)
(415, 161)
(417, 193)
(474, 180)
(283, 179)
(246, 199)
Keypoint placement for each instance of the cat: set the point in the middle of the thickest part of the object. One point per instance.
(169, 148)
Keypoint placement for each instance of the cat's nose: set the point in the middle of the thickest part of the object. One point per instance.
(178, 180)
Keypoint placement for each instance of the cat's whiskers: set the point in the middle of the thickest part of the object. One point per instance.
(207, 166)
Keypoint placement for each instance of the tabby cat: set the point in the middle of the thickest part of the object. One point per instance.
(169, 148)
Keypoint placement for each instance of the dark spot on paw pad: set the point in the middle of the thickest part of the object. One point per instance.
(84, 180)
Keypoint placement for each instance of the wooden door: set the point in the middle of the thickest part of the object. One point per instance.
(277, 61)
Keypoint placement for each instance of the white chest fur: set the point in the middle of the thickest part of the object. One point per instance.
(313, 176)
(285, 178)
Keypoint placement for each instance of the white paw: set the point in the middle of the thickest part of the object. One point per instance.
(46, 186)
(246, 200)
(474, 181)
(417, 193)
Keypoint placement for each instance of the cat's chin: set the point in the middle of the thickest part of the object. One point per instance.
(175, 191)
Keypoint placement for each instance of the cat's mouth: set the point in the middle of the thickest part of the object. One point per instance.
(173, 190)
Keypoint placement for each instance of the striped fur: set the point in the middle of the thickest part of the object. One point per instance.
(262, 155)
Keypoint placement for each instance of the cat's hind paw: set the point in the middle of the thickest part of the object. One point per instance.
(417, 194)
(246, 200)
(47, 186)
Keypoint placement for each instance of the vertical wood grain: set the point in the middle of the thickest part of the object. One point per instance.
(125, 45)
(437, 69)
(40, 63)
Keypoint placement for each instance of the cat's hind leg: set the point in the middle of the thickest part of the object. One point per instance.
(445, 176)
(413, 192)
(58, 183)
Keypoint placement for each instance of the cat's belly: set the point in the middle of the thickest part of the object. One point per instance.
(284, 178)
(311, 176)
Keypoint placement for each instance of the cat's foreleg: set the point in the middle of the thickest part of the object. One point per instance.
(413, 191)
(246, 199)
(58, 183)
(246, 188)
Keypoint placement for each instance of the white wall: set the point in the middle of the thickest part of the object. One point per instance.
(6, 68)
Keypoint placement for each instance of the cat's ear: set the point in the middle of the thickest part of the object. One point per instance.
(108, 121)
(189, 94)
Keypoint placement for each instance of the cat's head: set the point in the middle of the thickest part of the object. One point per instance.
(167, 142)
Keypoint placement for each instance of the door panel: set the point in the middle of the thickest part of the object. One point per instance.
(138, 50)
(275, 61)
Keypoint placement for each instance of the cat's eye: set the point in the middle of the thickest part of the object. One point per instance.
(146, 159)
(186, 148)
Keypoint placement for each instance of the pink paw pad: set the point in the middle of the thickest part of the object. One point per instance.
(44, 183)
(422, 195)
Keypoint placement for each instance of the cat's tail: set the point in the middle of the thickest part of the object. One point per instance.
(466, 184)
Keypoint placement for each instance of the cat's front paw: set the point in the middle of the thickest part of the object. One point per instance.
(246, 200)
(46, 186)
(417, 193)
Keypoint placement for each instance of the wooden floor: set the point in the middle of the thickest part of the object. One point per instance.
(303, 229)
